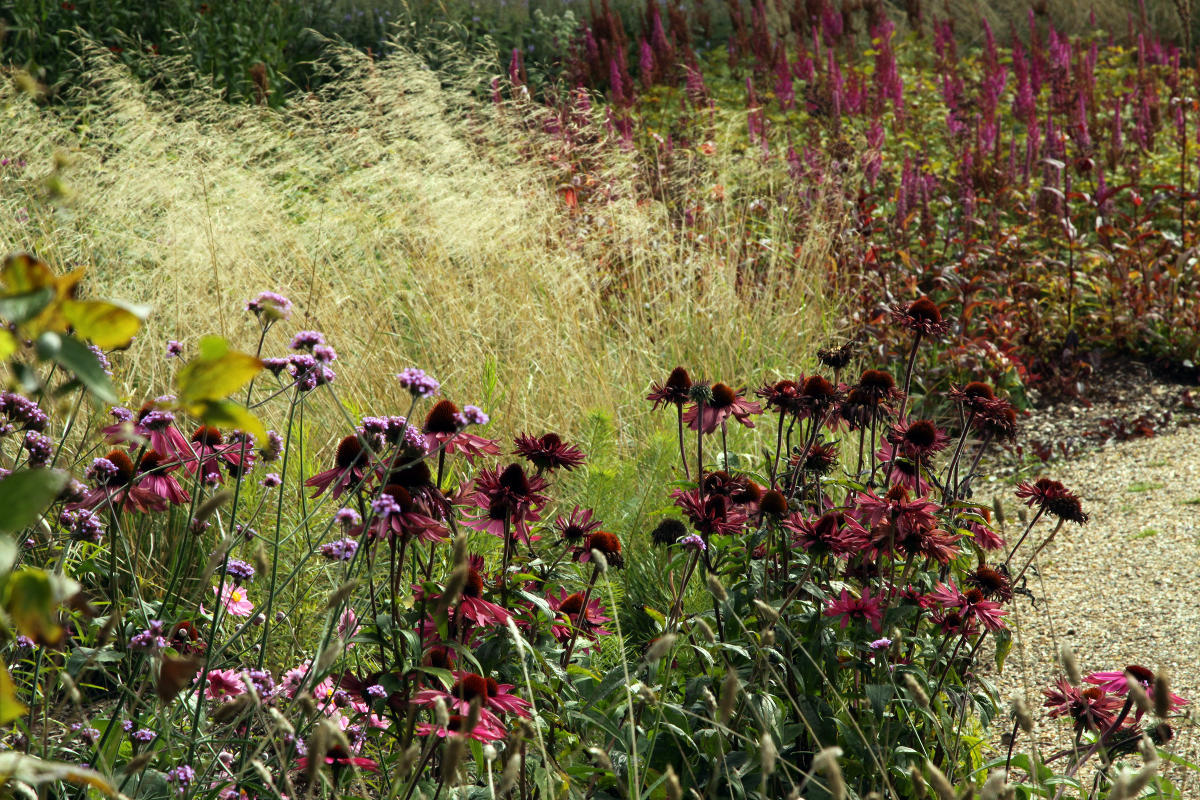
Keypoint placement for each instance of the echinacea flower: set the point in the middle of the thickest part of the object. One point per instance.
(830, 534)
(1117, 683)
(996, 419)
(871, 400)
(507, 497)
(338, 758)
(922, 317)
(714, 514)
(155, 475)
(668, 531)
(212, 451)
(397, 516)
(918, 438)
(849, 607)
(548, 452)
(605, 543)
(156, 425)
(991, 581)
(443, 429)
(494, 696)
(576, 525)
(723, 403)
(1050, 495)
(112, 478)
(673, 391)
(487, 729)
(350, 465)
(783, 396)
(973, 397)
(571, 614)
(1091, 708)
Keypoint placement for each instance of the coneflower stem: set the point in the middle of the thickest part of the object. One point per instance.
(949, 664)
(949, 495)
(1040, 548)
(1028, 528)
(912, 360)
(966, 482)
(580, 618)
(778, 449)
(687, 472)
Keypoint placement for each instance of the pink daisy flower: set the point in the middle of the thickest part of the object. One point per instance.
(233, 599)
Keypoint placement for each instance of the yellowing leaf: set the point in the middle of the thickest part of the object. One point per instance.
(11, 706)
(217, 373)
(31, 604)
(227, 414)
(8, 344)
(36, 771)
(107, 325)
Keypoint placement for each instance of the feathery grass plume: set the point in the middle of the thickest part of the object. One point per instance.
(452, 756)
(260, 559)
(408, 760)
(1021, 712)
(440, 714)
(280, 722)
(729, 692)
(998, 511)
(210, 506)
(341, 594)
(671, 784)
(263, 773)
(769, 613)
(1162, 694)
(716, 587)
(995, 787)
(1066, 657)
(331, 653)
(511, 773)
(661, 646)
(920, 788)
(319, 742)
(826, 763)
(768, 753)
(231, 710)
(1129, 784)
(705, 630)
(68, 683)
(138, 763)
(454, 586)
(915, 690)
(473, 713)
(490, 248)
(1140, 699)
(216, 558)
(600, 560)
(601, 758)
(940, 783)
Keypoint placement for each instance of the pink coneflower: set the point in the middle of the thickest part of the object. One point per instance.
(871, 400)
(222, 685)
(715, 514)
(1116, 683)
(548, 452)
(830, 534)
(157, 478)
(473, 607)
(578, 524)
(571, 614)
(723, 404)
(674, 391)
(996, 419)
(337, 757)
(233, 598)
(992, 582)
(494, 696)
(903, 471)
(349, 467)
(865, 608)
(1091, 708)
(111, 477)
(396, 515)
(487, 729)
(954, 623)
(784, 396)
(922, 316)
(918, 438)
(817, 397)
(508, 495)
(211, 452)
(154, 425)
(444, 426)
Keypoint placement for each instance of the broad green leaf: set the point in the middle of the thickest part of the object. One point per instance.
(23, 307)
(31, 604)
(82, 362)
(8, 344)
(25, 494)
(228, 414)
(106, 324)
(217, 373)
(11, 706)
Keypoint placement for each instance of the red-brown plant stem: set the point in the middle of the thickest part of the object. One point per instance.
(687, 472)
(581, 617)
(1028, 528)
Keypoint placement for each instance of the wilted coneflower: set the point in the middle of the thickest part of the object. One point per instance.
(1051, 496)
(712, 514)
(992, 582)
(921, 317)
(820, 458)
(782, 396)
(996, 419)
(817, 397)
(836, 358)
(349, 467)
(508, 496)
(668, 532)
(1116, 682)
(548, 452)
(1091, 709)
(973, 397)
(830, 534)
(579, 523)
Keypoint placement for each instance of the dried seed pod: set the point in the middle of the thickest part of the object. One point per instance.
(716, 588)
(452, 756)
(768, 753)
(705, 630)
(940, 783)
(826, 763)
(729, 693)
(660, 648)
(766, 612)
(1022, 715)
(1066, 657)
(916, 691)
(512, 771)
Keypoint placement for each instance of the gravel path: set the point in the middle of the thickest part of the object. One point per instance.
(1120, 590)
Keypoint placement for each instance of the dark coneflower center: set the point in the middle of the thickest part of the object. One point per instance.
(817, 387)
(1142, 674)
(898, 493)
(474, 584)
(605, 542)
(669, 531)
(1093, 693)
(921, 433)
(470, 686)
(349, 452)
(493, 687)
(414, 477)
(679, 379)
(144, 410)
(750, 493)
(877, 381)
(401, 496)
(722, 396)
(150, 461)
(572, 604)
(207, 435)
(439, 657)
(991, 582)
(513, 479)
(979, 390)
(456, 723)
(774, 503)
(974, 596)
(442, 418)
(925, 309)
(551, 440)
(124, 464)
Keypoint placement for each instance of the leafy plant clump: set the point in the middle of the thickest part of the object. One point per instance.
(191, 611)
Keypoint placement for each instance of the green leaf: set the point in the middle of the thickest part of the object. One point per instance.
(227, 414)
(217, 373)
(8, 344)
(880, 694)
(11, 706)
(23, 307)
(106, 324)
(30, 603)
(82, 362)
(25, 494)
(35, 771)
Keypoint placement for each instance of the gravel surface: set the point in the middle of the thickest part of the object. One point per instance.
(1120, 590)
